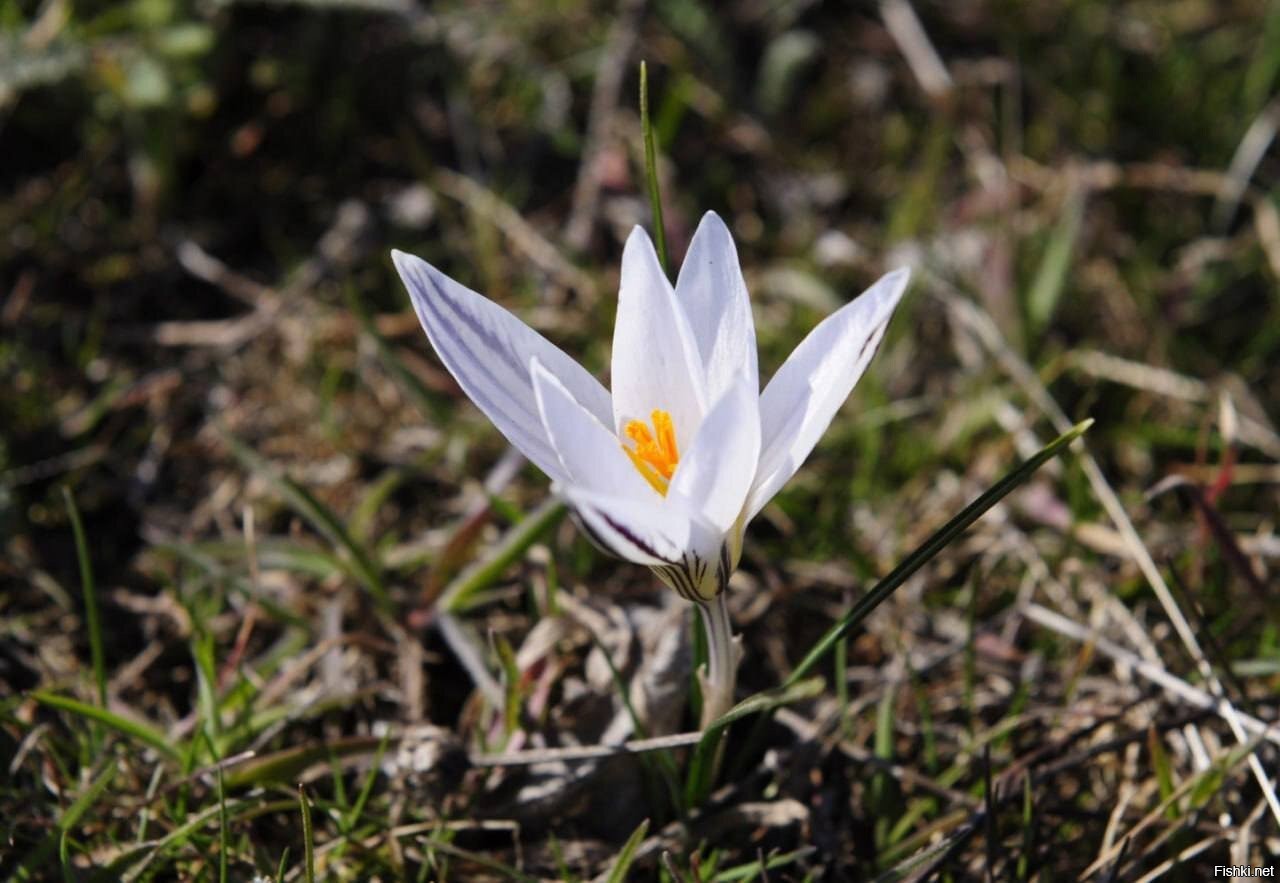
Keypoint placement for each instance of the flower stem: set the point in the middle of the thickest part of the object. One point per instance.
(723, 655)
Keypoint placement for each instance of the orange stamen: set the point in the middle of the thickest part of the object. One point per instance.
(654, 458)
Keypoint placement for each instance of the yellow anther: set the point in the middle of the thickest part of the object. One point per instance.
(655, 454)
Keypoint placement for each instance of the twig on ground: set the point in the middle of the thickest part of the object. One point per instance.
(469, 655)
(1249, 152)
(615, 59)
(926, 65)
(1152, 672)
(526, 239)
(585, 752)
(1170, 384)
(1170, 863)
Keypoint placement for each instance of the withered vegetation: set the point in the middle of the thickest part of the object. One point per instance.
(315, 586)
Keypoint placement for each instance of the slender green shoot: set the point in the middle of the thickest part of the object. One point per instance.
(659, 761)
(562, 867)
(840, 672)
(308, 842)
(698, 784)
(410, 383)
(224, 838)
(699, 641)
(134, 864)
(1028, 829)
(618, 873)
(357, 559)
(757, 869)
(513, 698)
(92, 619)
(357, 809)
(505, 871)
(1164, 773)
(970, 666)
(134, 729)
(69, 820)
(651, 171)
(701, 768)
(1051, 276)
(514, 543)
(881, 790)
(931, 547)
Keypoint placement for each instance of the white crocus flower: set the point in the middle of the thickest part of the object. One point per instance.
(669, 469)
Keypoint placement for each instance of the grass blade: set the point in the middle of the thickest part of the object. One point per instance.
(358, 562)
(618, 873)
(882, 796)
(1051, 276)
(1028, 829)
(362, 520)
(213, 560)
(663, 764)
(141, 732)
(755, 870)
(287, 763)
(224, 841)
(69, 820)
(932, 546)
(92, 620)
(504, 871)
(514, 543)
(139, 859)
(409, 382)
(698, 785)
(308, 843)
(651, 171)
(1164, 773)
(367, 789)
(206, 699)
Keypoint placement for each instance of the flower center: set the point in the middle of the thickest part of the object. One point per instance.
(655, 455)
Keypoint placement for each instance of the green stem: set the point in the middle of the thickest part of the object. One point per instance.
(723, 655)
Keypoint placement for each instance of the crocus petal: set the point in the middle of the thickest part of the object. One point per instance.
(655, 358)
(648, 533)
(685, 551)
(715, 475)
(802, 398)
(488, 350)
(714, 296)
(590, 453)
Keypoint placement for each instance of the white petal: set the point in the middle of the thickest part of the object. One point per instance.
(685, 552)
(590, 453)
(487, 350)
(714, 476)
(649, 533)
(714, 296)
(802, 398)
(655, 358)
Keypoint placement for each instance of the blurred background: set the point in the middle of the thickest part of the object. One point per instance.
(298, 532)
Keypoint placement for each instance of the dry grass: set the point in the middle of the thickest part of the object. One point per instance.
(313, 565)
